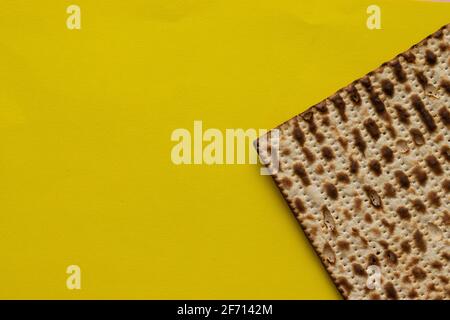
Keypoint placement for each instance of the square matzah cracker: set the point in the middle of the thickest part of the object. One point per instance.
(366, 172)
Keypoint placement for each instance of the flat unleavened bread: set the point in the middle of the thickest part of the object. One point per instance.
(366, 172)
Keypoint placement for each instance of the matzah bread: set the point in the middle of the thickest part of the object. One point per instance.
(366, 172)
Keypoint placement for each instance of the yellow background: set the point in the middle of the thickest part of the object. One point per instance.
(85, 121)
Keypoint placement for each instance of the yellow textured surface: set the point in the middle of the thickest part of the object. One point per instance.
(85, 121)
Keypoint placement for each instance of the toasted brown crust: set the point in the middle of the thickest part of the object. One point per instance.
(381, 195)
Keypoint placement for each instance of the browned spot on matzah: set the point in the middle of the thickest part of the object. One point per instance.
(420, 175)
(412, 294)
(354, 95)
(421, 78)
(375, 167)
(417, 136)
(313, 231)
(366, 83)
(359, 141)
(357, 203)
(409, 57)
(446, 256)
(402, 179)
(402, 114)
(359, 270)
(413, 262)
(374, 296)
(326, 121)
(299, 205)
(309, 118)
(327, 153)
(388, 225)
(319, 169)
(384, 244)
(446, 185)
(406, 248)
(445, 152)
(342, 177)
(372, 128)
(390, 291)
(430, 57)
(387, 154)
(312, 127)
(407, 88)
(392, 133)
(446, 219)
(434, 164)
(354, 166)
(438, 34)
(378, 105)
(301, 173)
(331, 190)
(445, 116)
(418, 273)
(420, 241)
(418, 205)
(445, 84)
(434, 199)
(343, 142)
(389, 190)
(346, 286)
(424, 115)
(372, 260)
(321, 107)
(319, 137)
(286, 182)
(340, 106)
(298, 134)
(403, 213)
(398, 71)
(436, 265)
(388, 87)
(391, 257)
(347, 214)
(343, 245)
(310, 157)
